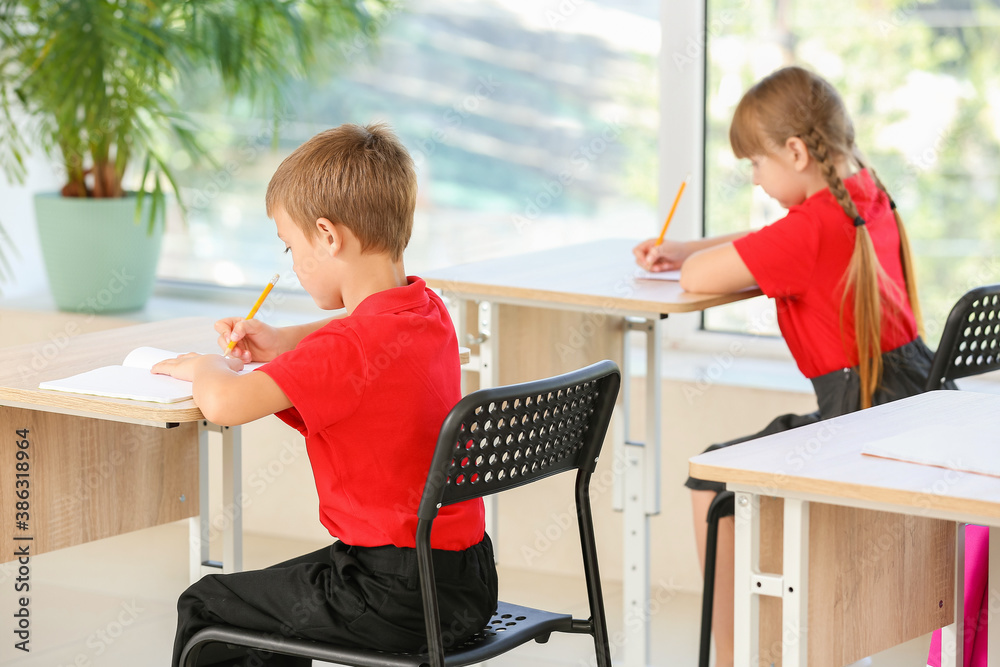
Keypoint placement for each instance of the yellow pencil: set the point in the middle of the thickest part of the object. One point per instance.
(256, 306)
(672, 209)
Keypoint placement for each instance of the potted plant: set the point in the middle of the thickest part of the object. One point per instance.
(95, 84)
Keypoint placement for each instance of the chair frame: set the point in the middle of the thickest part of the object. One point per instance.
(970, 341)
(554, 425)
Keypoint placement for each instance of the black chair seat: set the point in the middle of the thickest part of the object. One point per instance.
(511, 626)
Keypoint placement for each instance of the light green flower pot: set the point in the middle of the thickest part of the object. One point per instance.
(99, 259)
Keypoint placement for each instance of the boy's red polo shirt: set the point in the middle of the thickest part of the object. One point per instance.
(800, 261)
(370, 392)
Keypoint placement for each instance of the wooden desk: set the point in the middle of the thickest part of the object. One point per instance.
(867, 547)
(548, 312)
(102, 466)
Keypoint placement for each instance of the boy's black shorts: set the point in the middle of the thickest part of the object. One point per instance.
(352, 596)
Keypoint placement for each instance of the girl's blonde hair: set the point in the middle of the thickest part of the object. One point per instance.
(794, 102)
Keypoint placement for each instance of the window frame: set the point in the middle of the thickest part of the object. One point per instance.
(685, 28)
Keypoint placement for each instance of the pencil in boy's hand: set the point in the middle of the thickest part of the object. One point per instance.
(253, 311)
(672, 209)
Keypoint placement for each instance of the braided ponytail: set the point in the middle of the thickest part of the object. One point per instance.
(862, 277)
(905, 254)
(793, 102)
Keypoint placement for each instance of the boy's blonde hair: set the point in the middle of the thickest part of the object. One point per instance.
(357, 176)
(794, 102)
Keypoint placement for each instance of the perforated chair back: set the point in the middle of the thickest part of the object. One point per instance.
(970, 342)
(502, 438)
(498, 439)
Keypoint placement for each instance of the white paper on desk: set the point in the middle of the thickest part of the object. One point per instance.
(132, 380)
(640, 274)
(955, 447)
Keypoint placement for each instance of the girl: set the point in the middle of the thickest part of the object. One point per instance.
(838, 266)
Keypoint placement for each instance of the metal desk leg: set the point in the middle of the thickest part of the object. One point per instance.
(200, 527)
(746, 601)
(791, 585)
(638, 493)
(795, 580)
(232, 491)
(952, 648)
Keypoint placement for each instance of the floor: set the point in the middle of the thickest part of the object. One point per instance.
(111, 604)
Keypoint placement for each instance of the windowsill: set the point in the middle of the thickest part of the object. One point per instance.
(700, 358)
(171, 300)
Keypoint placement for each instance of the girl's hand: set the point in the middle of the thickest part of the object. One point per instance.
(183, 366)
(255, 341)
(667, 256)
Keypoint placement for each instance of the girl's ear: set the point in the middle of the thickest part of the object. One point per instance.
(331, 236)
(800, 154)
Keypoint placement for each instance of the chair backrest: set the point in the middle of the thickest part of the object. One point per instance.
(501, 438)
(970, 342)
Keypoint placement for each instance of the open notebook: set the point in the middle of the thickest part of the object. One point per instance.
(131, 380)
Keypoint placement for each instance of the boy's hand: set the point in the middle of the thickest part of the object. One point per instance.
(184, 366)
(255, 341)
(667, 256)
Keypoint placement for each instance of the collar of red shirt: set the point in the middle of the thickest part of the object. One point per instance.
(411, 295)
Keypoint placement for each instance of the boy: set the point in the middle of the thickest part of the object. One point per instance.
(369, 392)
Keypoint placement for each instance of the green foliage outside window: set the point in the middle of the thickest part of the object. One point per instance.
(921, 81)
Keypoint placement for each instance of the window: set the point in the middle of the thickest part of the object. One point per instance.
(922, 83)
(532, 125)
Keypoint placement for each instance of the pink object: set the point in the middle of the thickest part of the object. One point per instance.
(977, 568)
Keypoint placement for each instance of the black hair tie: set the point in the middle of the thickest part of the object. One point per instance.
(892, 204)
(858, 221)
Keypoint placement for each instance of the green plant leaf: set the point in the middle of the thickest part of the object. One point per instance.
(97, 80)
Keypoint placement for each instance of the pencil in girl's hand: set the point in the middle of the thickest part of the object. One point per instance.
(672, 209)
(253, 311)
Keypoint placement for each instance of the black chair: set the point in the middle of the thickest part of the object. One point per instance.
(970, 342)
(970, 345)
(491, 441)
(724, 504)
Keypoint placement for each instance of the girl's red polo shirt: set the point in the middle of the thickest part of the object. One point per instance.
(370, 392)
(800, 262)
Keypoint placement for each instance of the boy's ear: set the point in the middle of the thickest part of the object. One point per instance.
(331, 235)
(800, 154)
